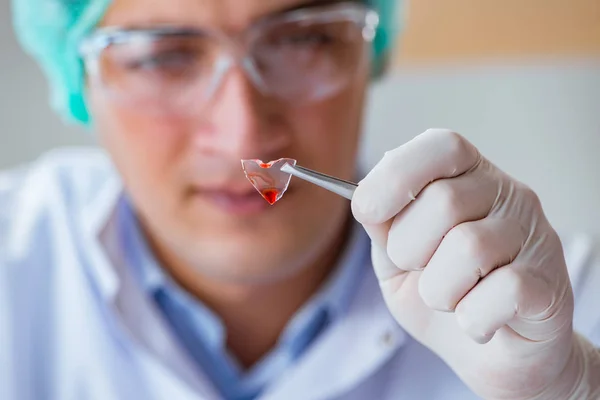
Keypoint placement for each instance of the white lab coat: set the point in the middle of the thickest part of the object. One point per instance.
(74, 326)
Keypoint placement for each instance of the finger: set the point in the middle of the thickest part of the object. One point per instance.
(384, 267)
(402, 173)
(418, 230)
(505, 293)
(468, 253)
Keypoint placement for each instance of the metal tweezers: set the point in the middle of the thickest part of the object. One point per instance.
(339, 186)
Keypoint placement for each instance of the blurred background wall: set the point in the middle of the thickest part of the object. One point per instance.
(520, 79)
(27, 125)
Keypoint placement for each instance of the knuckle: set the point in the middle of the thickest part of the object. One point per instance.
(453, 149)
(425, 294)
(440, 133)
(395, 256)
(513, 281)
(463, 317)
(468, 317)
(399, 257)
(471, 243)
(530, 196)
(446, 199)
(432, 298)
(390, 160)
(402, 252)
(393, 250)
(454, 143)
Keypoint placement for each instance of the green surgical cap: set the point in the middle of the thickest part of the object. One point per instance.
(51, 30)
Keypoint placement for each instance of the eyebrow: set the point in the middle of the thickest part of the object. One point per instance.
(313, 3)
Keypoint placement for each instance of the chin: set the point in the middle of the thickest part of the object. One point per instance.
(255, 258)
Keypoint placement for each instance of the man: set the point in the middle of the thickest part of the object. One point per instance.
(152, 269)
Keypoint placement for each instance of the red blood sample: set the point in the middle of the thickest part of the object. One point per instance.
(270, 195)
(264, 165)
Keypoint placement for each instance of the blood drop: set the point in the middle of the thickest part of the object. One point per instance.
(271, 195)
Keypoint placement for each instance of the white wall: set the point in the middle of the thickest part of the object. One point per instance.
(27, 125)
(541, 123)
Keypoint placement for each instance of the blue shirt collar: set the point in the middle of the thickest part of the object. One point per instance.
(336, 293)
(333, 297)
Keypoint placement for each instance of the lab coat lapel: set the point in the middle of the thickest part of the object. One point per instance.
(148, 329)
(348, 353)
(137, 322)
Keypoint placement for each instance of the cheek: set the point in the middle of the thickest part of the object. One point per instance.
(329, 133)
(144, 149)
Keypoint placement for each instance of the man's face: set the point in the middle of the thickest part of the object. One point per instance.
(183, 172)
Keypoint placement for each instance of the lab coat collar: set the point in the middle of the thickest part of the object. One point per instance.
(97, 219)
(142, 323)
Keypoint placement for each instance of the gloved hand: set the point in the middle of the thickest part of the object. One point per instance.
(470, 267)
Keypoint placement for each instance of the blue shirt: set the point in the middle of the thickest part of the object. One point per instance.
(201, 332)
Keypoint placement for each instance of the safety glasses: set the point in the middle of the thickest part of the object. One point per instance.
(300, 56)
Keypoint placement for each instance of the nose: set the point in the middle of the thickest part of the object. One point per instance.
(240, 122)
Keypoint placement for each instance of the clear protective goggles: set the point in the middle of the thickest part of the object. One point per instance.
(300, 56)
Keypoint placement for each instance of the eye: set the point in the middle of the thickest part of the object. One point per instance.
(307, 38)
(173, 60)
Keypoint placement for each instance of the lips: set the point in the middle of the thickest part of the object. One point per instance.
(224, 195)
(238, 201)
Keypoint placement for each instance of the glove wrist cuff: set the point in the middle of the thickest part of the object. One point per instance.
(580, 380)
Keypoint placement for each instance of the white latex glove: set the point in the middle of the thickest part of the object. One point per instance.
(465, 256)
